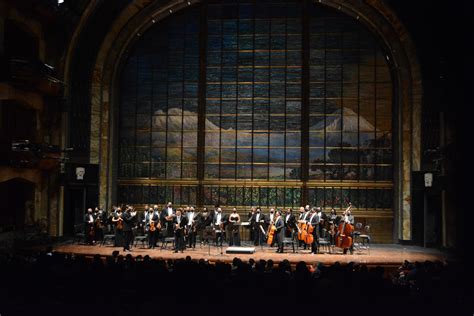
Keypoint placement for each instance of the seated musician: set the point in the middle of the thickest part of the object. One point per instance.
(179, 223)
(234, 224)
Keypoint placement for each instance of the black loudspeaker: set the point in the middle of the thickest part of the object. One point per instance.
(240, 250)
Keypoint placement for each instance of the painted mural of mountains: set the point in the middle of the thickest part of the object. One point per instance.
(349, 122)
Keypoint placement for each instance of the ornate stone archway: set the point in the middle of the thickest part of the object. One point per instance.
(375, 15)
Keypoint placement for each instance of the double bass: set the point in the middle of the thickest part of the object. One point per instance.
(343, 234)
(271, 234)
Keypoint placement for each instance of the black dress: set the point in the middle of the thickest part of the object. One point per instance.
(234, 239)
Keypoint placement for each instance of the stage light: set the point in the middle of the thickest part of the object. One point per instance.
(60, 2)
(189, 2)
(171, 11)
(153, 21)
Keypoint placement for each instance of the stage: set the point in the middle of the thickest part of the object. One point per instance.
(388, 255)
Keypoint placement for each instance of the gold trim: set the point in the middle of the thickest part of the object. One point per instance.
(256, 183)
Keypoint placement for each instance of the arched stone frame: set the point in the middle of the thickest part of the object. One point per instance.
(374, 14)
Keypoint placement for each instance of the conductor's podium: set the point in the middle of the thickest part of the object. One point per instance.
(247, 250)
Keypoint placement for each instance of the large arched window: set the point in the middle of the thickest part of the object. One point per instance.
(256, 103)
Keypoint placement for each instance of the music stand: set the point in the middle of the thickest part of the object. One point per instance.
(209, 234)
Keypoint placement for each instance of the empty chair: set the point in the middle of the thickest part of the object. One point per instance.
(365, 238)
(324, 242)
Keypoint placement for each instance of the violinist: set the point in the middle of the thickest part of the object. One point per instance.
(118, 222)
(280, 231)
(251, 215)
(99, 220)
(202, 221)
(89, 227)
(152, 226)
(128, 223)
(191, 227)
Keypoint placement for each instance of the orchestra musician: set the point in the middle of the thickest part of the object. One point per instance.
(256, 222)
(280, 231)
(117, 220)
(99, 221)
(304, 215)
(179, 223)
(167, 216)
(89, 227)
(234, 224)
(202, 220)
(128, 224)
(251, 214)
(269, 221)
(218, 225)
(333, 222)
(153, 225)
(191, 227)
(314, 221)
(349, 219)
(290, 223)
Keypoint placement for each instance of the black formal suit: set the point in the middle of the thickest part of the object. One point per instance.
(89, 228)
(128, 224)
(280, 233)
(179, 224)
(167, 226)
(290, 223)
(152, 235)
(218, 223)
(314, 221)
(258, 219)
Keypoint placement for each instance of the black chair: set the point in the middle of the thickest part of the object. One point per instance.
(142, 238)
(79, 238)
(108, 238)
(365, 238)
(166, 241)
(324, 241)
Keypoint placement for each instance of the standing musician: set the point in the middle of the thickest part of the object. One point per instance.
(304, 216)
(349, 219)
(152, 226)
(234, 222)
(99, 221)
(269, 221)
(191, 227)
(167, 216)
(290, 223)
(117, 220)
(218, 225)
(251, 214)
(280, 231)
(89, 232)
(333, 223)
(128, 224)
(256, 222)
(202, 220)
(179, 223)
(314, 220)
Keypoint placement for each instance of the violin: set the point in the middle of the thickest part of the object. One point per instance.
(152, 225)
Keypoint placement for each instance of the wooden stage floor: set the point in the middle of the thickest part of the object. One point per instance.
(379, 254)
